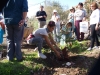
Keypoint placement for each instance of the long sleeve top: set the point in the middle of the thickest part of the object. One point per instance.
(95, 17)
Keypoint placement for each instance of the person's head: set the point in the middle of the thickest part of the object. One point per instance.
(69, 25)
(51, 26)
(80, 5)
(94, 6)
(84, 19)
(54, 12)
(72, 9)
(41, 7)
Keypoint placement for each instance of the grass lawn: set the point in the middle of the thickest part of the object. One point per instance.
(33, 64)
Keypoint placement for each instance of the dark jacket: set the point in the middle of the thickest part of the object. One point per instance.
(13, 11)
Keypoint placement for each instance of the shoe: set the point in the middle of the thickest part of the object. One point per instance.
(21, 59)
(42, 56)
(9, 59)
(95, 47)
(36, 49)
(89, 49)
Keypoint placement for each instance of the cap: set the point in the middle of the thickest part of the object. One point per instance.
(54, 10)
(42, 6)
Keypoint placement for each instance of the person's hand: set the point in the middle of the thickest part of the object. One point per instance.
(2, 25)
(40, 16)
(96, 28)
(58, 54)
(44, 16)
(21, 23)
(58, 49)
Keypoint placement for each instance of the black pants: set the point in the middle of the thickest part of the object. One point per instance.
(94, 37)
(95, 70)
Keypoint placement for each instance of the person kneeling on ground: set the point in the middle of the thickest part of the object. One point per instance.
(42, 34)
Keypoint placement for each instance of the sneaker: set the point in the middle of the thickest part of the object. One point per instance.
(21, 59)
(36, 49)
(95, 47)
(42, 56)
(89, 49)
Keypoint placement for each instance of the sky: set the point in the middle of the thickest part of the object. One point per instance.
(34, 4)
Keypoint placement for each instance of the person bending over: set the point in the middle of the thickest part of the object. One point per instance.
(41, 35)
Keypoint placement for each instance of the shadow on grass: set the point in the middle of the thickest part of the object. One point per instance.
(45, 66)
(52, 61)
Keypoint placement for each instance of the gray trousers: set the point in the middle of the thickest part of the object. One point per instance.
(14, 37)
(41, 24)
(39, 42)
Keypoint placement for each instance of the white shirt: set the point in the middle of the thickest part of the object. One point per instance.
(71, 16)
(79, 14)
(54, 18)
(95, 17)
(38, 33)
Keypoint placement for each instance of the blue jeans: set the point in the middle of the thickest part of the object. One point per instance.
(39, 42)
(14, 37)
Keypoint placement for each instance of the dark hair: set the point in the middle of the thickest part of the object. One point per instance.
(80, 3)
(72, 9)
(69, 23)
(51, 23)
(42, 6)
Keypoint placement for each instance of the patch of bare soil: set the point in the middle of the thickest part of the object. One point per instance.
(76, 64)
(79, 65)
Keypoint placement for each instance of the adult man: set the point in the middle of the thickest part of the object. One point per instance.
(41, 16)
(15, 13)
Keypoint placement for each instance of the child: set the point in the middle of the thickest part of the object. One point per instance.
(2, 27)
(44, 34)
(66, 32)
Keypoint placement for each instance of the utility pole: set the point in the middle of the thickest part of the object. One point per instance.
(45, 4)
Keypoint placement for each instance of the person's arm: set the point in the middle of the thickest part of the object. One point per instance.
(51, 46)
(45, 16)
(37, 15)
(54, 43)
(58, 18)
(74, 20)
(24, 13)
(97, 15)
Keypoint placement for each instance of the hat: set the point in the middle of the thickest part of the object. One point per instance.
(71, 8)
(41, 6)
(54, 10)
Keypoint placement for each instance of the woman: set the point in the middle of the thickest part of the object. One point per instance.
(56, 19)
(94, 21)
(78, 17)
(41, 35)
(71, 19)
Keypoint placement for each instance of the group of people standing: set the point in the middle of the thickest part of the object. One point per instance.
(14, 18)
(75, 17)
